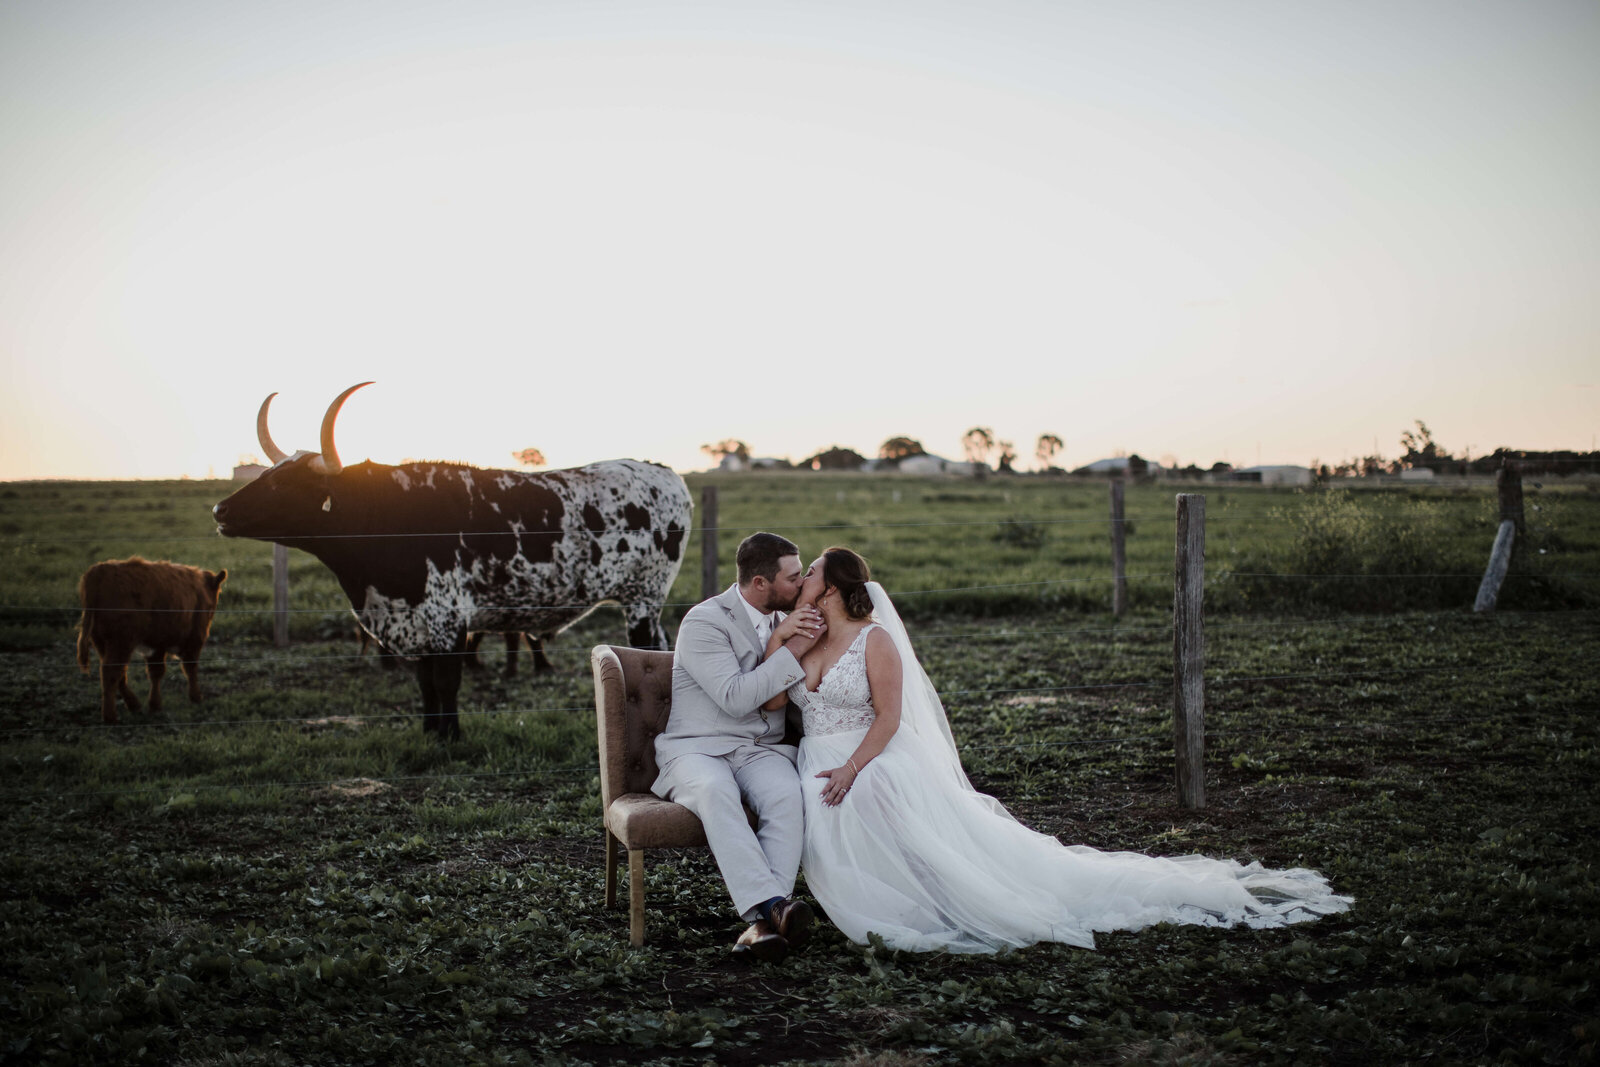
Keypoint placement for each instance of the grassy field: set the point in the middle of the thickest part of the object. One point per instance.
(289, 873)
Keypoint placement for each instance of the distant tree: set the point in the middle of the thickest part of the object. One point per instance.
(978, 442)
(900, 447)
(1047, 448)
(1138, 467)
(1008, 455)
(1422, 451)
(1419, 441)
(1220, 467)
(730, 447)
(529, 457)
(835, 458)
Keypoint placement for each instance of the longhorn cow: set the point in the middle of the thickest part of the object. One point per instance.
(428, 552)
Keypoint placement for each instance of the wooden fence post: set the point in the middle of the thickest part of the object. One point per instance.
(1188, 651)
(1509, 482)
(280, 596)
(708, 543)
(1119, 557)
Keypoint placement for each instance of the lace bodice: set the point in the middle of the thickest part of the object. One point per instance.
(843, 700)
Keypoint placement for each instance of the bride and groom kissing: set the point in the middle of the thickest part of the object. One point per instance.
(874, 801)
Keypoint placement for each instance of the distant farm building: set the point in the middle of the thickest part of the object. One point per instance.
(248, 472)
(928, 463)
(1119, 465)
(735, 464)
(1287, 474)
(1417, 474)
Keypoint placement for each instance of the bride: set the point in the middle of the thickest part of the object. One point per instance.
(898, 843)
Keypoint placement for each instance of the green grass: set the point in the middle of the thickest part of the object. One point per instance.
(290, 873)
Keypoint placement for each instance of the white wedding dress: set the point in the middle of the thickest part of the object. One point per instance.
(917, 856)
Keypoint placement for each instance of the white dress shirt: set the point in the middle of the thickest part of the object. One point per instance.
(762, 621)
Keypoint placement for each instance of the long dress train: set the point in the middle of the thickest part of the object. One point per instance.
(917, 856)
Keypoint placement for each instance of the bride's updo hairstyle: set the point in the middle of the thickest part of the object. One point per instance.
(846, 571)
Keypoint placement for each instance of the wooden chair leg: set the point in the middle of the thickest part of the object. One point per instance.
(611, 869)
(636, 897)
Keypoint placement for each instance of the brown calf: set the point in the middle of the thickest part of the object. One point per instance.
(130, 604)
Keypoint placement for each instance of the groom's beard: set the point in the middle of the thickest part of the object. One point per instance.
(775, 603)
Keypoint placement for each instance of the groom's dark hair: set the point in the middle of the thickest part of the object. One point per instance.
(759, 555)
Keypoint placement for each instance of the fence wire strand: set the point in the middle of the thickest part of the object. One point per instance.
(342, 610)
(1235, 517)
(333, 718)
(592, 769)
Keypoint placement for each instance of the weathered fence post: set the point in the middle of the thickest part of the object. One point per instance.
(280, 596)
(1189, 652)
(1119, 557)
(1509, 482)
(708, 543)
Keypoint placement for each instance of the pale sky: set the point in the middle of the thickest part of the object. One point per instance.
(1198, 229)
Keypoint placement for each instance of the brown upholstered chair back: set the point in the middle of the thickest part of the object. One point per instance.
(632, 699)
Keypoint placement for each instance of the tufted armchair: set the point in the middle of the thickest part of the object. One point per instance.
(632, 699)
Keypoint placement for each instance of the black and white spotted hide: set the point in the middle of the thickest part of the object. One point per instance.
(428, 552)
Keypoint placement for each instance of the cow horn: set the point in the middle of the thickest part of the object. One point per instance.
(330, 455)
(275, 455)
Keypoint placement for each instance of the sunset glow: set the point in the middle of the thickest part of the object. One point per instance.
(1209, 231)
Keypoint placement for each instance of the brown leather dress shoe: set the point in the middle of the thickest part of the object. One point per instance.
(761, 942)
(793, 918)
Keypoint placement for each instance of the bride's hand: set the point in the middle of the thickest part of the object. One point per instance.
(840, 779)
(803, 622)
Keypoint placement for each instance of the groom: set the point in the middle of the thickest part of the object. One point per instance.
(720, 750)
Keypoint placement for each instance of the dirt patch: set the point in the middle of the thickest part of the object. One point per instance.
(348, 721)
(355, 788)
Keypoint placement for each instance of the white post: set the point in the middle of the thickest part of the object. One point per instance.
(1499, 560)
(1509, 482)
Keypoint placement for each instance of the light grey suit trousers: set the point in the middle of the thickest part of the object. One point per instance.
(720, 751)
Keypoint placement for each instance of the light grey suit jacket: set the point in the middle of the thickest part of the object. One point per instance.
(719, 683)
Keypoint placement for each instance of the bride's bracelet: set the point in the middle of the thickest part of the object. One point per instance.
(853, 767)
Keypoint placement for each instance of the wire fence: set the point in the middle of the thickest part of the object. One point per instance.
(528, 606)
(972, 695)
(293, 659)
(1149, 741)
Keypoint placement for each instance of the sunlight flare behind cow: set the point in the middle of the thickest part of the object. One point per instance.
(428, 552)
